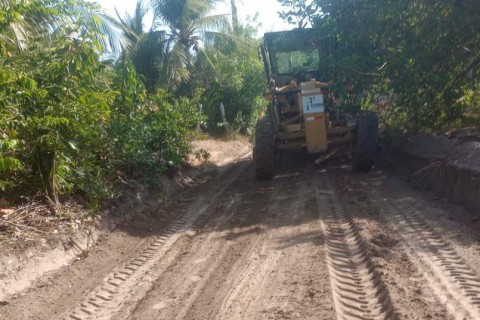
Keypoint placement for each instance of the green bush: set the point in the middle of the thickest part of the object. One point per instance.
(71, 123)
(238, 81)
(422, 53)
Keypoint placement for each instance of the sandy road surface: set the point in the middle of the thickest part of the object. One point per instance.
(314, 243)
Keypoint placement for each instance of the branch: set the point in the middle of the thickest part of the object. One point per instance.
(472, 65)
(349, 69)
(25, 227)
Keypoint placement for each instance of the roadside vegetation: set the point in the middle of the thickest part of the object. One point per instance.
(415, 61)
(88, 101)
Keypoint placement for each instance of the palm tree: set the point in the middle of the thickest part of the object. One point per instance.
(30, 21)
(189, 29)
(148, 50)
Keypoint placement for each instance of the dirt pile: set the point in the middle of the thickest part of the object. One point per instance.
(448, 163)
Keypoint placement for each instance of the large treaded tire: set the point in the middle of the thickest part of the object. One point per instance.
(367, 142)
(264, 150)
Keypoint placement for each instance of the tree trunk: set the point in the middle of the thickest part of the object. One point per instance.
(234, 14)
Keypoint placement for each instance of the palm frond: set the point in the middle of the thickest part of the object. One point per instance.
(133, 25)
(44, 19)
(218, 22)
(21, 35)
(150, 57)
(176, 64)
(140, 12)
(192, 28)
(211, 38)
(128, 29)
(180, 12)
(106, 29)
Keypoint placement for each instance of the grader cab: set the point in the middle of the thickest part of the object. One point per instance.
(302, 113)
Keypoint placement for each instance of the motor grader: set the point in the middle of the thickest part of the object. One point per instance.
(302, 112)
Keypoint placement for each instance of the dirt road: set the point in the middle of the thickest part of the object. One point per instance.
(314, 243)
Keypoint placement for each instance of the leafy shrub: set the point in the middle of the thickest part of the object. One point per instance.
(238, 82)
(423, 53)
(70, 123)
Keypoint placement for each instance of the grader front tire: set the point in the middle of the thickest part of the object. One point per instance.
(367, 142)
(264, 151)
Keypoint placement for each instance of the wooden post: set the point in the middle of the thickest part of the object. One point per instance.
(201, 112)
(224, 118)
(222, 112)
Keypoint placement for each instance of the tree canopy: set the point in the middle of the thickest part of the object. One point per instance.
(190, 28)
(423, 54)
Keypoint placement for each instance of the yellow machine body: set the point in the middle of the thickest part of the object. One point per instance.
(312, 107)
(305, 113)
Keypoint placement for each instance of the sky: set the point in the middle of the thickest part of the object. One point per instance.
(267, 10)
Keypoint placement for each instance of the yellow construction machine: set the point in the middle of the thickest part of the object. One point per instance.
(302, 113)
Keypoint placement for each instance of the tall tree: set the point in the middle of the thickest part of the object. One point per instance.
(148, 50)
(190, 28)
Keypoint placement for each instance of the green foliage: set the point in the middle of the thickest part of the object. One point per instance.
(470, 102)
(202, 155)
(158, 130)
(72, 123)
(24, 22)
(192, 29)
(150, 57)
(202, 53)
(418, 52)
(51, 102)
(298, 12)
(238, 82)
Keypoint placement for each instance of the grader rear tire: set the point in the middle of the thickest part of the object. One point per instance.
(264, 151)
(367, 142)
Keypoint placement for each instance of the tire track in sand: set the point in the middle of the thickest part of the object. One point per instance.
(358, 290)
(133, 279)
(452, 280)
(240, 259)
(263, 260)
